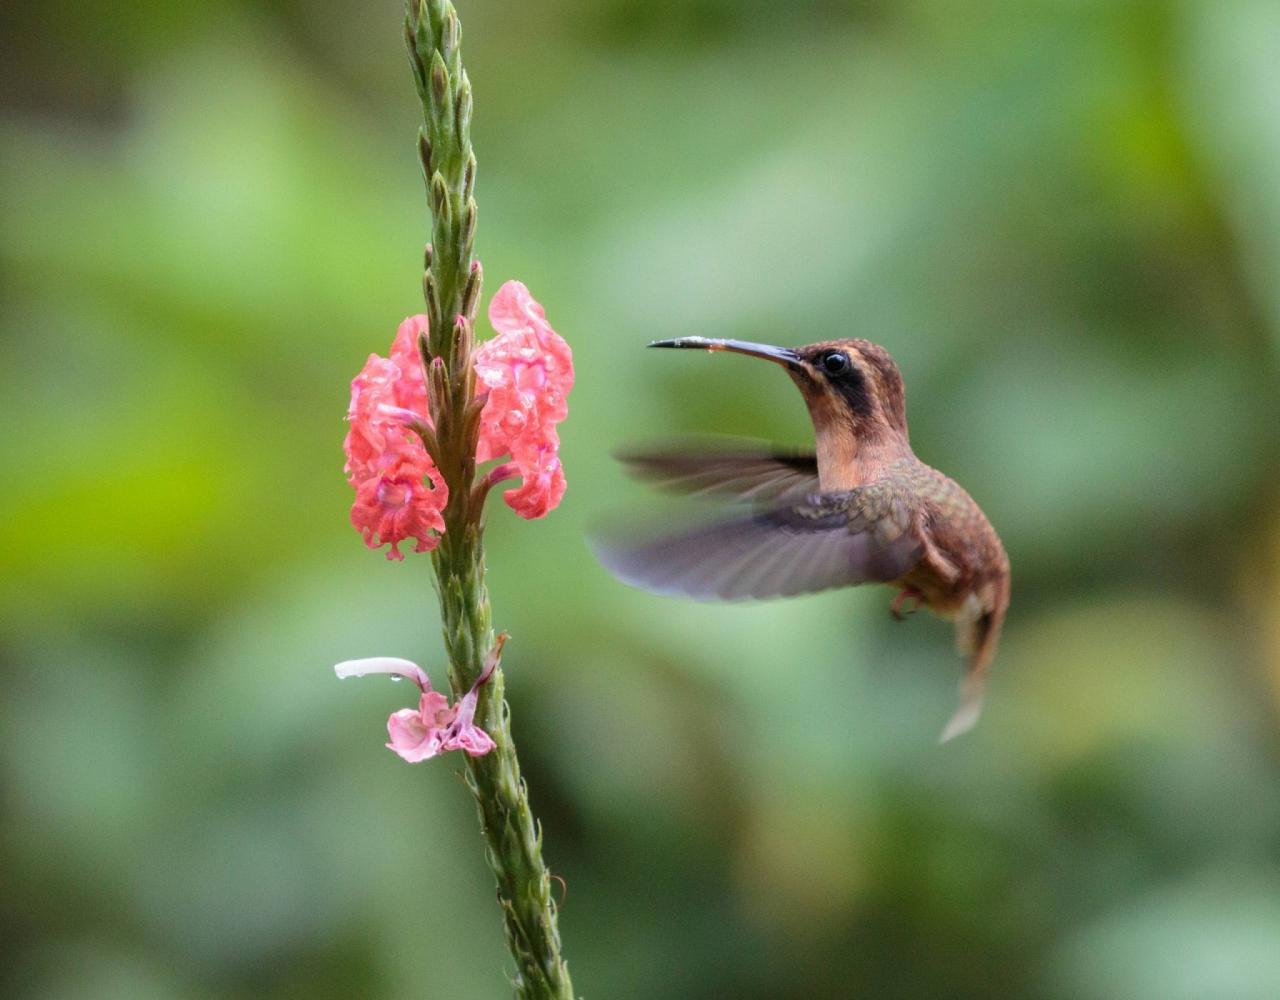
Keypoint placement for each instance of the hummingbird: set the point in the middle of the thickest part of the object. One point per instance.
(857, 508)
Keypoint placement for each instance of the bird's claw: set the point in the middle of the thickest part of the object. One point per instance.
(907, 594)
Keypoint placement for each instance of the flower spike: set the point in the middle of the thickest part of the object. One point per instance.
(421, 420)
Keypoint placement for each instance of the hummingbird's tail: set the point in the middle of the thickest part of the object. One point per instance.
(972, 694)
(977, 635)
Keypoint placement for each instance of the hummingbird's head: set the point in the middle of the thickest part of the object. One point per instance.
(852, 384)
(852, 387)
(855, 398)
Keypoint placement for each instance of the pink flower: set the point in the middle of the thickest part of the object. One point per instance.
(411, 387)
(543, 485)
(394, 503)
(435, 726)
(528, 372)
(399, 492)
(366, 440)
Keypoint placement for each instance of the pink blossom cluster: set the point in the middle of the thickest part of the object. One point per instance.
(435, 726)
(526, 372)
(399, 492)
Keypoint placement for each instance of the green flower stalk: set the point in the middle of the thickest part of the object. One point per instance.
(420, 423)
(451, 286)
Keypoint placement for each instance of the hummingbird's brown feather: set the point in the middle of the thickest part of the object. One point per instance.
(739, 470)
(824, 541)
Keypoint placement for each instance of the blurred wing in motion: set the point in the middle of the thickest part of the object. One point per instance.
(740, 470)
(793, 548)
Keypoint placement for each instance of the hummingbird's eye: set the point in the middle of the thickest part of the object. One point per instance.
(835, 363)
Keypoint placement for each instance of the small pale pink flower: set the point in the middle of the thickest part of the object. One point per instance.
(435, 726)
(527, 370)
(400, 493)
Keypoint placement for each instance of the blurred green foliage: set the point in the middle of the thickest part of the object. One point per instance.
(1064, 220)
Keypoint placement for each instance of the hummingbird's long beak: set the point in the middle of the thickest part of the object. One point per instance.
(779, 355)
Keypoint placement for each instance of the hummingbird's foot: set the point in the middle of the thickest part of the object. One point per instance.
(904, 595)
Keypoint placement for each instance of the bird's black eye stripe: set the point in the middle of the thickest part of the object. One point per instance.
(847, 379)
(835, 363)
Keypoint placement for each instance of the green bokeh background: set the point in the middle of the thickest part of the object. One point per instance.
(1062, 219)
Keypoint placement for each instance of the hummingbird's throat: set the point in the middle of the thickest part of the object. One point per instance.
(850, 454)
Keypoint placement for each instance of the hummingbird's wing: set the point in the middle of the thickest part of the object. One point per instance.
(824, 541)
(742, 470)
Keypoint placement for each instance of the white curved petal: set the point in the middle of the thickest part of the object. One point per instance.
(392, 665)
